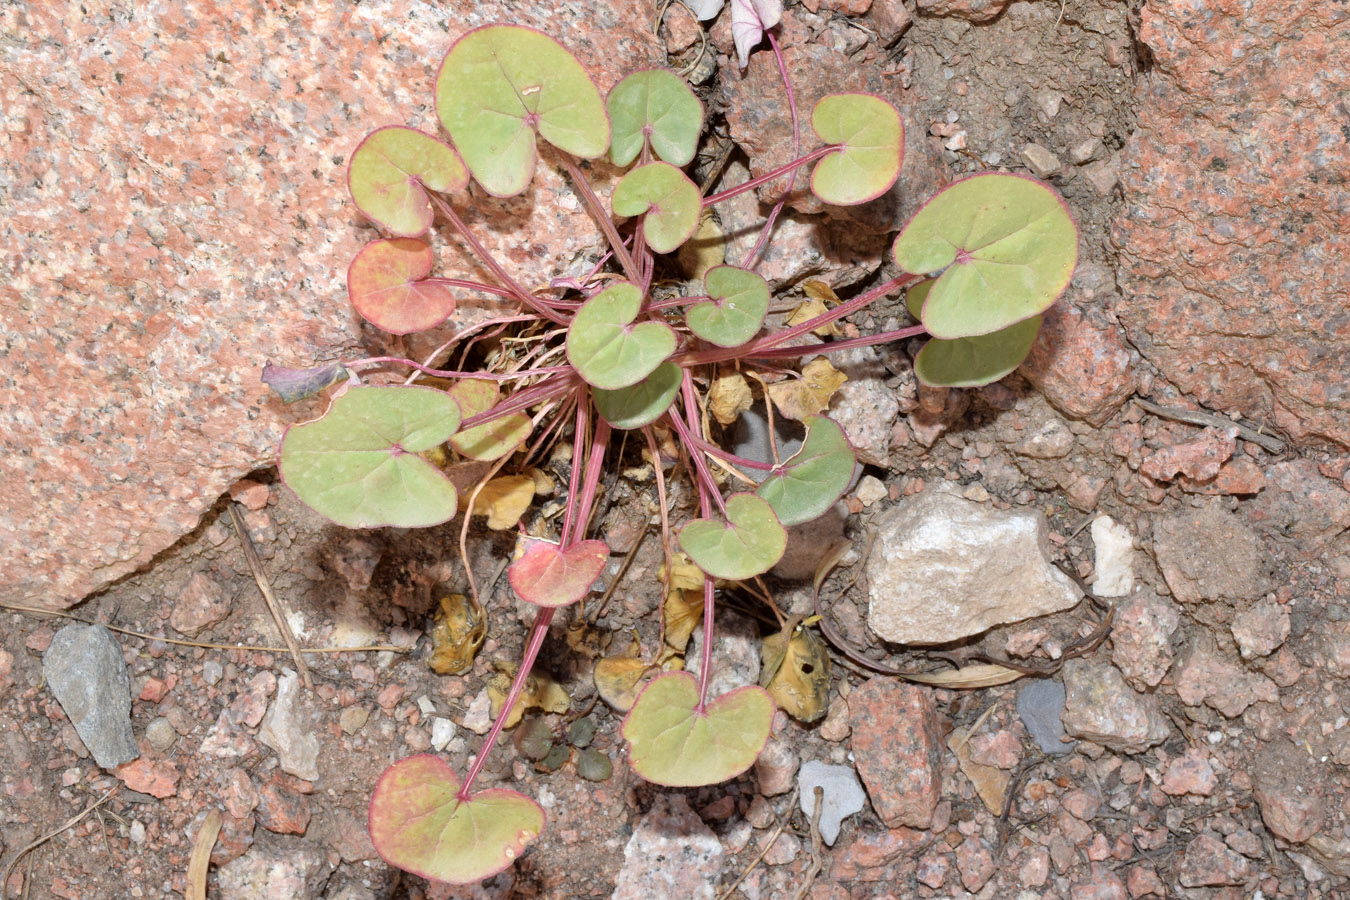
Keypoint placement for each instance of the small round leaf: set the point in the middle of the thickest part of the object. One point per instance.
(673, 742)
(817, 475)
(547, 575)
(498, 86)
(749, 543)
(385, 284)
(670, 200)
(419, 823)
(656, 106)
(736, 312)
(1008, 246)
(607, 349)
(873, 140)
(392, 170)
(358, 464)
(491, 440)
(642, 403)
(976, 361)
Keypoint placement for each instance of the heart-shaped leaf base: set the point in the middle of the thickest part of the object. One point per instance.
(392, 170)
(748, 544)
(418, 823)
(607, 349)
(673, 742)
(815, 477)
(385, 284)
(547, 575)
(873, 140)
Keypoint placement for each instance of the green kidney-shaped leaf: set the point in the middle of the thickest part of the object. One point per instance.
(873, 138)
(749, 543)
(358, 464)
(392, 170)
(736, 312)
(547, 575)
(491, 440)
(976, 361)
(655, 106)
(1008, 246)
(498, 86)
(642, 403)
(419, 823)
(385, 284)
(817, 475)
(606, 349)
(673, 742)
(670, 200)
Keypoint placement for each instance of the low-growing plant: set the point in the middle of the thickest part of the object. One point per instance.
(980, 262)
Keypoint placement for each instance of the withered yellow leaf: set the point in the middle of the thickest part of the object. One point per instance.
(457, 631)
(796, 671)
(807, 310)
(797, 398)
(683, 610)
(540, 692)
(728, 397)
(990, 783)
(684, 575)
(504, 500)
(619, 679)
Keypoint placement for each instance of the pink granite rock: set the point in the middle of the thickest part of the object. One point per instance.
(971, 10)
(896, 750)
(1081, 366)
(177, 215)
(1234, 236)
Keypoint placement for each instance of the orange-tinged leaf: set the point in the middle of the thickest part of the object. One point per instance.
(798, 398)
(504, 500)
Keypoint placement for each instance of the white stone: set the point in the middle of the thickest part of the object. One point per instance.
(943, 568)
(671, 854)
(442, 733)
(842, 795)
(478, 717)
(1115, 558)
(870, 490)
(286, 730)
(1040, 161)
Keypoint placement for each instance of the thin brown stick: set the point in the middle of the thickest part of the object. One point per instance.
(623, 570)
(1204, 419)
(200, 860)
(70, 823)
(817, 860)
(259, 648)
(273, 603)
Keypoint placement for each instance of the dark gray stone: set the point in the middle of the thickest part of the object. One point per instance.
(1039, 703)
(85, 670)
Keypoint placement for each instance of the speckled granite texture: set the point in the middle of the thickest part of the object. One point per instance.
(1235, 232)
(172, 183)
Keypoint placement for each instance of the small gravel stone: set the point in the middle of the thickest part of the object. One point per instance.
(1101, 707)
(1040, 161)
(870, 490)
(478, 717)
(201, 605)
(1141, 637)
(212, 672)
(975, 863)
(288, 731)
(835, 727)
(1190, 774)
(1286, 785)
(1040, 705)
(843, 795)
(1208, 862)
(1261, 629)
(1143, 881)
(896, 748)
(84, 669)
(1115, 558)
(160, 734)
(353, 719)
(775, 768)
(282, 869)
(442, 732)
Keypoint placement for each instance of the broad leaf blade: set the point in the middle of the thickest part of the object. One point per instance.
(749, 543)
(491, 440)
(673, 742)
(385, 284)
(976, 361)
(498, 86)
(736, 312)
(873, 137)
(547, 575)
(816, 476)
(669, 199)
(642, 403)
(358, 463)
(1008, 246)
(391, 171)
(607, 349)
(656, 106)
(418, 823)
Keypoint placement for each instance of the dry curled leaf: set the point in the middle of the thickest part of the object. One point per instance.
(979, 675)
(200, 860)
(540, 692)
(814, 305)
(619, 679)
(728, 397)
(796, 670)
(797, 398)
(683, 610)
(457, 632)
(504, 500)
(990, 783)
(684, 575)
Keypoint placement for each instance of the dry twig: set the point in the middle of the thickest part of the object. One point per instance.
(70, 823)
(273, 604)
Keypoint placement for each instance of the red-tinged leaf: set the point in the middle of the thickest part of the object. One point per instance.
(419, 823)
(547, 575)
(385, 284)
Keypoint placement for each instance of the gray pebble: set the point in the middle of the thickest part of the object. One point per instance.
(1040, 702)
(85, 670)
